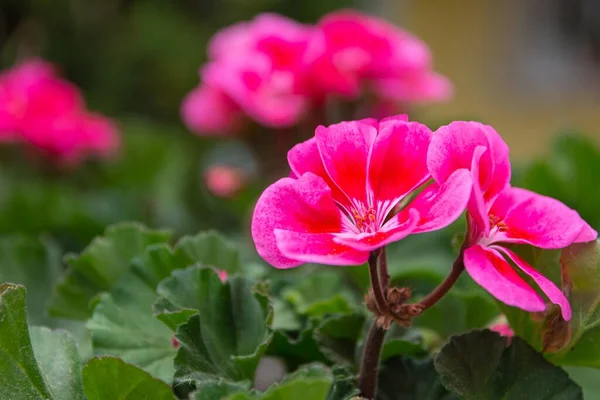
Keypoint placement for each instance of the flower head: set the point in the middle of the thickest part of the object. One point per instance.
(224, 180)
(341, 199)
(499, 214)
(350, 50)
(47, 112)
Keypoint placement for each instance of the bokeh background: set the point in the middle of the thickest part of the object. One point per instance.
(529, 68)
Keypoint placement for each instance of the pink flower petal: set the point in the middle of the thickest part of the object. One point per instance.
(439, 206)
(453, 147)
(489, 269)
(344, 149)
(392, 231)
(587, 234)
(555, 295)
(318, 248)
(539, 221)
(207, 110)
(398, 162)
(476, 205)
(302, 205)
(305, 157)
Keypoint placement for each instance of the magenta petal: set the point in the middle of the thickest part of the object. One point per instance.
(453, 146)
(555, 295)
(394, 230)
(305, 157)
(318, 248)
(439, 206)
(540, 221)
(303, 205)
(398, 162)
(490, 270)
(587, 234)
(344, 149)
(476, 205)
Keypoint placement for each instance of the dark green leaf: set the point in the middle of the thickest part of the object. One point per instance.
(218, 390)
(479, 365)
(408, 379)
(230, 332)
(337, 337)
(344, 386)
(112, 378)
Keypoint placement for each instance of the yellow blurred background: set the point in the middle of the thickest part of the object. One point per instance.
(530, 68)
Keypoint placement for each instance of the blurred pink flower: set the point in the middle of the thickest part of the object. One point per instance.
(346, 181)
(208, 110)
(41, 109)
(499, 214)
(350, 50)
(223, 180)
(258, 65)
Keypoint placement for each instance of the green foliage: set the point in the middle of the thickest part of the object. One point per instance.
(577, 270)
(481, 365)
(99, 267)
(230, 331)
(112, 378)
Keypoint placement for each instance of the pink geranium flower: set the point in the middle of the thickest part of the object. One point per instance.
(350, 49)
(208, 110)
(346, 185)
(258, 66)
(41, 109)
(499, 214)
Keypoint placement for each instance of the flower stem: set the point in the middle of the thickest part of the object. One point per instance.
(383, 271)
(369, 366)
(457, 268)
(378, 290)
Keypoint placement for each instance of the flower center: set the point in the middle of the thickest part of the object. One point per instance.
(365, 218)
(497, 224)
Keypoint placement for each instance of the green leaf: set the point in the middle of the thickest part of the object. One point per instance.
(479, 365)
(123, 324)
(405, 378)
(21, 377)
(320, 293)
(212, 249)
(132, 333)
(99, 267)
(34, 263)
(400, 341)
(218, 390)
(112, 378)
(230, 332)
(297, 347)
(59, 362)
(588, 379)
(344, 386)
(309, 382)
(337, 337)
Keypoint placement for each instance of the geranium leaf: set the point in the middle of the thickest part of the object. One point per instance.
(99, 267)
(112, 378)
(34, 263)
(44, 365)
(338, 336)
(57, 356)
(480, 365)
(229, 333)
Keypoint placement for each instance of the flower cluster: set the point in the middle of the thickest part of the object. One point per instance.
(39, 108)
(275, 70)
(359, 185)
